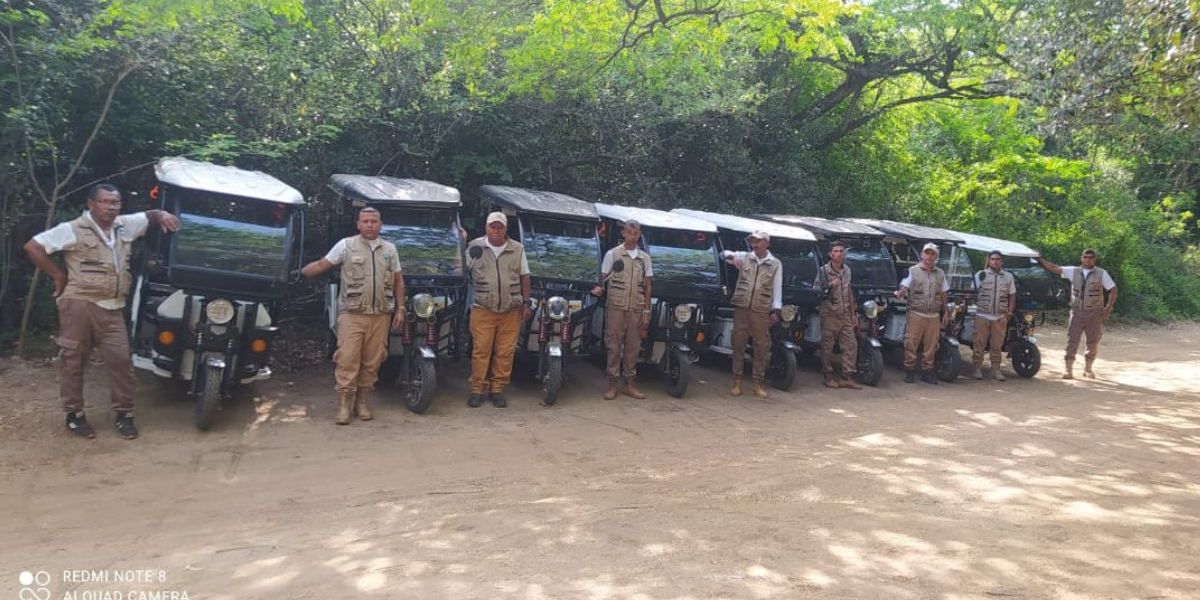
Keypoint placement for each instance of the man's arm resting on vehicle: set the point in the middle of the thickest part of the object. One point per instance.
(163, 220)
(41, 259)
(1049, 266)
(316, 268)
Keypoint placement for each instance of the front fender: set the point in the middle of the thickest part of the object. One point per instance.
(1031, 340)
(874, 342)
(682, 347)
(950, 341)
(554, 349)
(427, 352)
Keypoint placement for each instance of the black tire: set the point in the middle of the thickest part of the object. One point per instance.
(678, 372)
(553, 380)
(870, 364)
(947, 362)
(1026, 359)
(421, 385)
(208, 399)
(781, 372)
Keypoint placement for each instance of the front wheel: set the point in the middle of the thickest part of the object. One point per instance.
(1026, 358)
(421, 384)
(782, 370)
(209, 397)
(947, 362)
(870, 364)
(679, 372)
(552, 381)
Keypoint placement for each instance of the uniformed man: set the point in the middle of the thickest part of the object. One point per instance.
(628, 274)
(839, 318)
(757, 301)
(500, 282)
(1089, 308)
(995, 301)
(91, 295)
(371, 297)
(925, 287)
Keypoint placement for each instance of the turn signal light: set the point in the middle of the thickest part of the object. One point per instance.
(258, 345)
(166, 337)
(699, 337)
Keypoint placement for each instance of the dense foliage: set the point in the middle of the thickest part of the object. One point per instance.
(1060, 123)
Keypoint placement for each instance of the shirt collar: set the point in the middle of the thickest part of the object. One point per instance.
(762, 260)
(116, 225)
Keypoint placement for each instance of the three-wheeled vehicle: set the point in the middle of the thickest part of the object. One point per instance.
(1037, 290)
(562, 245)
(421, 219)
(797, 249)
(206, 296)
(874, 284)
(687, 282)
(905, 241)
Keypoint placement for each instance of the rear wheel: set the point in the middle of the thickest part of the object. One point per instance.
(208, 399)
(947, 362)
(781, 372)
(1026, 358)
(679, 372)
(870, 364)
(552, 381)
(421, 384)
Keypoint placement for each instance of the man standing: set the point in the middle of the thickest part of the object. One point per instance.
(501, 284)
(370, 297)
(839, 317)
(925, 287)
(757, 301)
(1089, 309)
(90, 297)
(628, 273)
(995, 301)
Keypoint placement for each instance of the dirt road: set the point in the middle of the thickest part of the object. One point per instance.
(1027, 489)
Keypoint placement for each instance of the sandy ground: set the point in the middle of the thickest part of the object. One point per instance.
(1027, 489)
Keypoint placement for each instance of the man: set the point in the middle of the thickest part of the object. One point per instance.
(629, 275)
(370, 297)
(90, 297)
(925, 287)
(995, 301)
(1089, 309)
(500, 281)
(839, 317)
(757, 301)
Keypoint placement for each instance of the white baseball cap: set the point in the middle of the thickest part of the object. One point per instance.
(930, 246)
(496, 217)
(760, 235)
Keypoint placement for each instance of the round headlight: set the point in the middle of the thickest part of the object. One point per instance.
(423, 305)
(951, 308)
(219, 311)
(557, 308)
(871, 309)
(788, 314)
(1029, 318)
(683, 312)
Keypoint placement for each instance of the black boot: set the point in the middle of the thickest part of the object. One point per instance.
(125, 425)
(475, 400)
(78, 425)
(498, 400)
(929, 377)
(910, 376)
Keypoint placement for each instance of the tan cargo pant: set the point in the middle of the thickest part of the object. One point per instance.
(989, 337)
(756, 327)
(921, 331)
(1089, 322)
(82, 325)
(493, 345)
(622, 341)
(362, 347)
(840, 330)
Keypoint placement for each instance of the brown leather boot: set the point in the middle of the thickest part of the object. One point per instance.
(345, 402)
(611, 392)
(849, 383)
(831, 381)
(736, 388)
(362, 405)
(759, 390)
(1069, 373)
(632, 391)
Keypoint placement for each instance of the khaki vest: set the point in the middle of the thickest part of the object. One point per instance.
(756, 284)
(497, 279)
(627, 281)
(1087, 293)
(923, 289)
(840, 301)
(992, 296)
(91, 273)
(368, 277)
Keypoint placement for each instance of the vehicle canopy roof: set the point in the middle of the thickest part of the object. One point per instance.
(650, 217)
(984, 243)
(910, 230)
(747, 225)
(826, 227)
(218, 179)
(383, 189)
(539, 202)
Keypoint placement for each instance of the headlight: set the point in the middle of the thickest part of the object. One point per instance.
(557, 308)
(871, 309)
(423, 306)
(951, 308)
(788, 314)
(1029, 318)
(683, 313)
(219, 311)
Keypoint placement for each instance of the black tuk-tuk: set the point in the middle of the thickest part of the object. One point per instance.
(562, 245)
(206, 296)
(874, 284)
(421, 219)
(797, 249)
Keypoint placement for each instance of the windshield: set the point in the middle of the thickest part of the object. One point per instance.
(955, 263)
(683, 257)
(871, 264)
(426, 239)
(562, 249)
(232, 234)
(799, 260)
